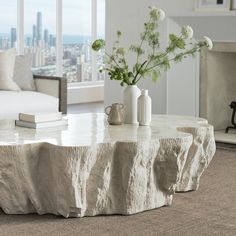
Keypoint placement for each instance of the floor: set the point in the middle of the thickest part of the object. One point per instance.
(209, 211)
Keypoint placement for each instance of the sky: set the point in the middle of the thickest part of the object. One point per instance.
(76, 16)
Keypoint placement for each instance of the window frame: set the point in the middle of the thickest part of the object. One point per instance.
(59, 37)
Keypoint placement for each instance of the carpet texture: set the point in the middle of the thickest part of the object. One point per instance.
(209, 211)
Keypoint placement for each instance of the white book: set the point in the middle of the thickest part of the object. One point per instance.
(40, 117)
(32, 125)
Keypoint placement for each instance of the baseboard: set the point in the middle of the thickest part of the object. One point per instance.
(226, 146)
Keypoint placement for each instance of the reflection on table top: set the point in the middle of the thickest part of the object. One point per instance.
(90, 129)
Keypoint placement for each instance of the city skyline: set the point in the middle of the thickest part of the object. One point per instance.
(40, 43)
(40, 33)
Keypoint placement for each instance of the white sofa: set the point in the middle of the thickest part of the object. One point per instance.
(50, 96)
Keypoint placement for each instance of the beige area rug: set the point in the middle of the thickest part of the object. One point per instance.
(209, 211)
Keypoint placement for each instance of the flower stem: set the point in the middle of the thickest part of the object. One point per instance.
(175, 57)
(113, 59)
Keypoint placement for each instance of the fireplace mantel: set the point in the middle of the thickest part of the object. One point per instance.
(218, 25)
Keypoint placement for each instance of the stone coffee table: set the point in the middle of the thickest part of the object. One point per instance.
(90, 168)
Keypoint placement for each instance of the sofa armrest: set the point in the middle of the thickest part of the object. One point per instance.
(54, 86)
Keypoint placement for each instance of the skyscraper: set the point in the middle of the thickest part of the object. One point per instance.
(54, 41)
(80, 70)
(51, 40)
(13, 37)
(39, 26)
(46, 37)
(34, 38)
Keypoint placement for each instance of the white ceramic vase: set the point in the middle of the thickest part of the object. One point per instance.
(130, 101)
(144, 108)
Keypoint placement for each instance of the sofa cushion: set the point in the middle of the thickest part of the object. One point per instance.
(23, 75)
(7, 64)
(12, 103)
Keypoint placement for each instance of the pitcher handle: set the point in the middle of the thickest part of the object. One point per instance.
(106, 110)
(122, 106)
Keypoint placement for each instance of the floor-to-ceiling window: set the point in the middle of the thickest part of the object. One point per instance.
(77, 38)
(41, 25)
(40, 35)
(8, 23)
(100, 34)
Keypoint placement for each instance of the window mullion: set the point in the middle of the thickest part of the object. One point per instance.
(94, 36)
(20, 27)
(59, 40)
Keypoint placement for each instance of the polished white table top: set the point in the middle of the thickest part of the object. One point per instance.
(91, 129)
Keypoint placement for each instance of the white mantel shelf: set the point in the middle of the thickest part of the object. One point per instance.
(218, 25)
(204, 14)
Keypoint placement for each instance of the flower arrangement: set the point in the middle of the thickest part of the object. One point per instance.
(150, 59)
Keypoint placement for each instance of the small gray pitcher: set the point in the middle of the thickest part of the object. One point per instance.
(115, 114)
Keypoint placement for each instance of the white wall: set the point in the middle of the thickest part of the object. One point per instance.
(182, 83)
(129, 16)
(173, 7)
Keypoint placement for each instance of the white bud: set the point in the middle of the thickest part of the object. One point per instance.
(158, 13)
(208, 42)
(161, 14)
(187, 32)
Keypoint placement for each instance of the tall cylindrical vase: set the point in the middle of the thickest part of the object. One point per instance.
(130, 100)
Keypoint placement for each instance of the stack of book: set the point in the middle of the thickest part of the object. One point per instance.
(41, 120)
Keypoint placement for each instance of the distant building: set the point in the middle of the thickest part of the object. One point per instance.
(39, 26)
(87, 52)
(34, 38)
(80, 70)
(1, 43)
(28, 41)
(66, 55)
(52, 41)
(46, 37)
(13, 37)
(4, 43)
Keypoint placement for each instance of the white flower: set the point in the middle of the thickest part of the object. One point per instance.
(187, 32)
(208, 42)
(158, 13)
(161, 14)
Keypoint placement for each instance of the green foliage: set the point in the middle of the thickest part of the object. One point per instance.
(175, 42)
(150, 59)
(136, 49)
(155, 75)
(118, 33)
(98, 44)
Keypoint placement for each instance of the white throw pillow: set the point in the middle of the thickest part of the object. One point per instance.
(7, 63)
(23, 75)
